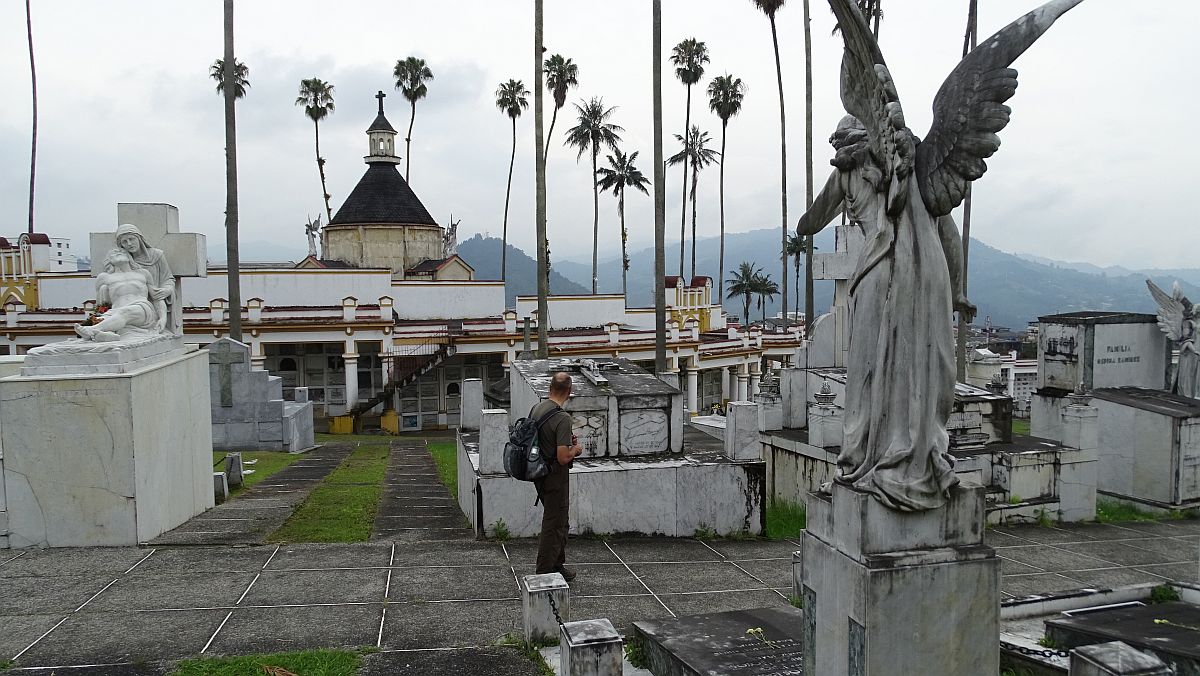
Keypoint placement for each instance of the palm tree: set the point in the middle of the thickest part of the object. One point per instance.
(765, 289)
(797, 246)
(808, 171)
(742, 283)
(316, 95)
(511, 100)
(561, 75)
(770, 8)
(689, 58)
(539, 191)
(591, 133)
(33, 84)
(725, 94)
(411, 76)
(697, 155)
(229, 89)
(660, 194)
(241, 74)
(619, 175)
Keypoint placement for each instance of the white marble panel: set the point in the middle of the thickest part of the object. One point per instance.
(726, 498)
(622, 500)
(644, 431)
(591, 428)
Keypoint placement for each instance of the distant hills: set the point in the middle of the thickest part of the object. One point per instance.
(1011, 289)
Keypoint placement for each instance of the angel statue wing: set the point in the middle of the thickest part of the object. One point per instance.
(869, 94)
(1173, 311)
(969, 110)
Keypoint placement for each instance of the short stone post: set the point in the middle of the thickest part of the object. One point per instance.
(493, 435)
(471, 403)
(1079, 422)
(536, 593)
(300, 395)
(741, 431)
(793, 387)
(220, 487)
(825, 425)
(1115, 659)
(233, 468)
(590, 648)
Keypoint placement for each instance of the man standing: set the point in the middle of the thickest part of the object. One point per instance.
(558, 445)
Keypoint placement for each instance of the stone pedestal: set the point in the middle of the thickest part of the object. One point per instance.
(1115, 659)
(109, 459)
(825, 426)
(741, 431)
(234, 468)
(493, 435)
(536, 592)
(770, 411)
(471, 404)
(793, 387)
(889, 592)
(590, 648)
(220, 487)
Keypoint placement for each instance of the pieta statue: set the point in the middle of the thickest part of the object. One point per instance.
(906, 287)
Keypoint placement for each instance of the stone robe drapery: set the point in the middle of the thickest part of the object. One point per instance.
(900, 373)
(154, 261)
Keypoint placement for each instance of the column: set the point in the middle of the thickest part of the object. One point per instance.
(725, 387)
(351, 362)
(743, 383)
(755, 372)
(258, 360)
(693, 386)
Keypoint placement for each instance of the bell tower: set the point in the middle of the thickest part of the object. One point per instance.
(382, 138)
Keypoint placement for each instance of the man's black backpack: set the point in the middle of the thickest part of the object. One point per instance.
(523, 459)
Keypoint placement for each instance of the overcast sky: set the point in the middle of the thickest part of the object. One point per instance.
(1096, 164)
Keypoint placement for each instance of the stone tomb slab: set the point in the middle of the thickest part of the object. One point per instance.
(724, 644)
(1167, 630)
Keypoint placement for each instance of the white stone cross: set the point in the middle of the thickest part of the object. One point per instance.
(186, 252)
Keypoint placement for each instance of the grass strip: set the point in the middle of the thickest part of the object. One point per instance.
(1108, 511)
(307, 663)
(1020, 426)
(342, 508)
(445, 456)
(269, 462)
(785, 519)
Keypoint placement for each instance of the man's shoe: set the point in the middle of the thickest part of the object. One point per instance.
(567, 573)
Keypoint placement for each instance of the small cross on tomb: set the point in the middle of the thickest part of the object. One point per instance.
(224, 359)
(185, 252)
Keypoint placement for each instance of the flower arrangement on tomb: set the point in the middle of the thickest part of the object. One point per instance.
(95, 315)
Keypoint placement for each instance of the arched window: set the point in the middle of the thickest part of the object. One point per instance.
(452, 390)
(287, 364)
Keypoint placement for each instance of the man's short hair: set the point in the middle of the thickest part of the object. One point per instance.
(560, 383)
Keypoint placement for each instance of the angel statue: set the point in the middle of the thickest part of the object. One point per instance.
(906, 287)
(311, 228)
(450, 238)
(1177, 318)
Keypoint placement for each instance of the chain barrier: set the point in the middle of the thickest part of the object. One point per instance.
(554, 607)
(1047, 652)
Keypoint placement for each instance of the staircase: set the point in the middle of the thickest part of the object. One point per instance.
(408, 363)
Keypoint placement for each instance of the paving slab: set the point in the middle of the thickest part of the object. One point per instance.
(1113, 578)
(1042, 534)
(1038, 583)
(740, 550)
(719, 602)
(579, 550)
(60, 594)
(207, 559)
(20, 631)
(107, 638)
(497, 661)
(450, 625)
(160, 590)
(298, 556)
(1116, 553)
(1178, 572)
(662, 549)
(622, 611)
(1053, 559)
(597, 579)
(693, 576)
(270, 630)
(275, 588)
(776, 573)
(127, 669)
(453, 584)
(449, 553)
(1176, 550)
(109, 561)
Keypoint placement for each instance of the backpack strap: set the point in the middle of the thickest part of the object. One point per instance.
(547, 415)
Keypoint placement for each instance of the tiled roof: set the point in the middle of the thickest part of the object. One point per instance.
(381, 124)
(382, 196)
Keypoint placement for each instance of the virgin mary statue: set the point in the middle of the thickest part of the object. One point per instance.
(162, 282)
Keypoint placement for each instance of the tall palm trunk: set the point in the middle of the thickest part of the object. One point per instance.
(33, 84)
(595, 218)
(233, 260)
(539, 165)
(969, 43)
(553, 119)
(721, 255)
(507, 195)
(798, 283)
(660, 196)
(782, 166)
(408, 140)
(624, 237)
(746, 309)
(687, 143)
(694, 177)
(321, 169)
(808, 174)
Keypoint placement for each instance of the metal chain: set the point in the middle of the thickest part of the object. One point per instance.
(1034, 651)
(554, 607)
